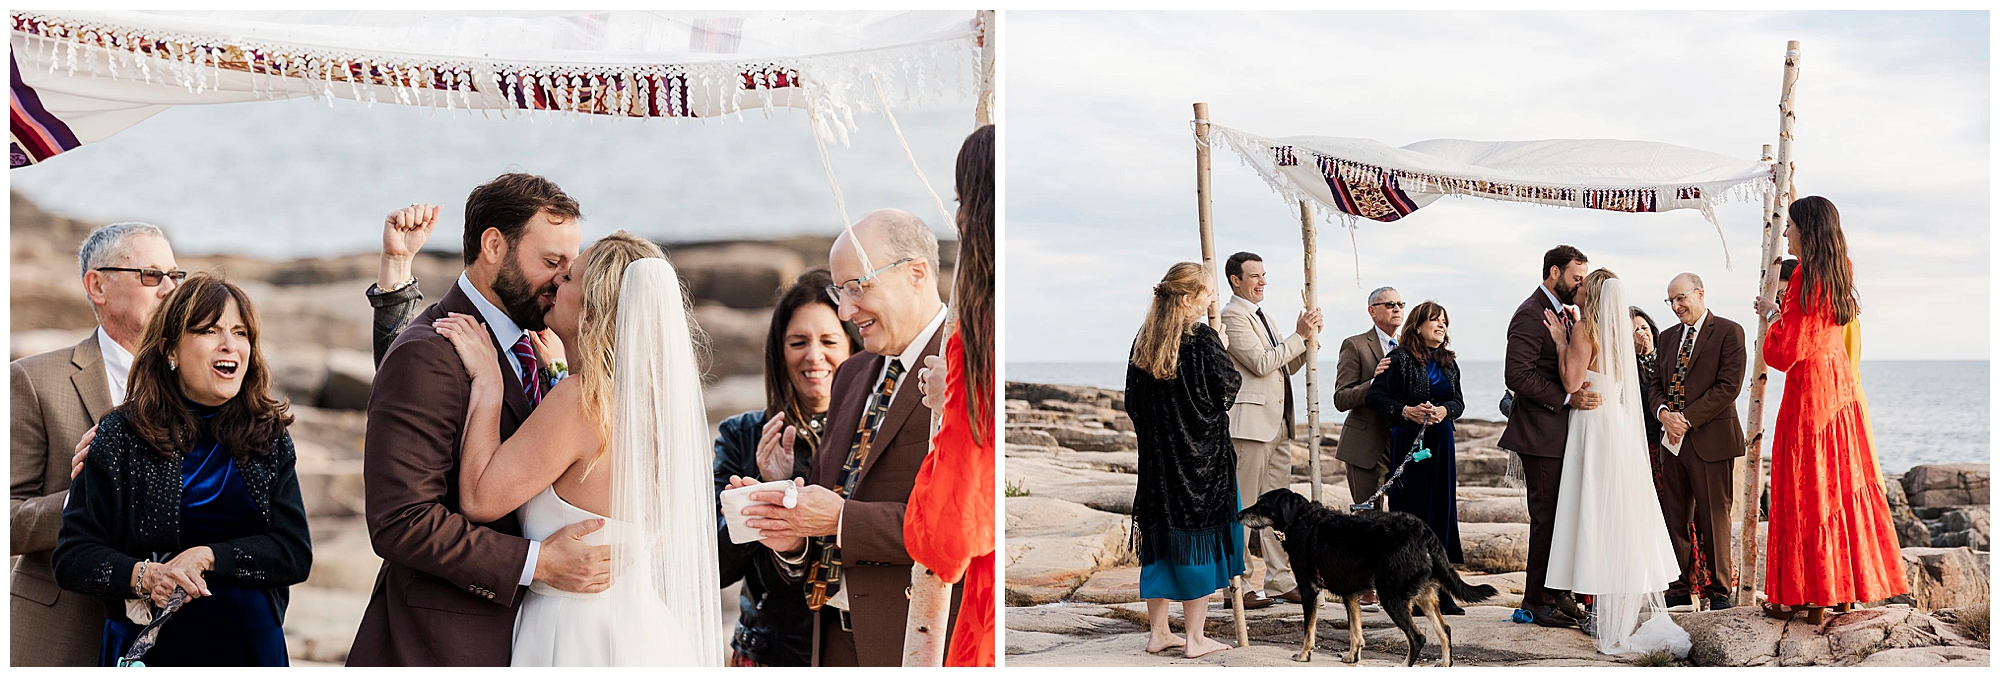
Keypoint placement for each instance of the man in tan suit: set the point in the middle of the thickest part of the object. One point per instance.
(57, 396)
(1260, 424)
(844, 538)
(1364, 437)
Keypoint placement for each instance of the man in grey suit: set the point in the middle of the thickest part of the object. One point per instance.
(128, 269)
(1364, 437)
(1260, 424)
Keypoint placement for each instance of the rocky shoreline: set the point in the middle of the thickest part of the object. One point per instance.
(316, 336)
(1072, 580)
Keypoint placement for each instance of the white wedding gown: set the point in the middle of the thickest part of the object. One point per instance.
(1610, 539)
(570, 629)
(662, 608)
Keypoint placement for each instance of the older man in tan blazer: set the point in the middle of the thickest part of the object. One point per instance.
(127, 270)
(1260, 424)
(1364, 436)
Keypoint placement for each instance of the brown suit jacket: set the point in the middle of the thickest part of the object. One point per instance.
(57, 396)
(875, 565)
(1539, 425)
(449, 588)
(1364, 436)
(1714, 378)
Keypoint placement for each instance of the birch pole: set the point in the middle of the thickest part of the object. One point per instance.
(929, 620)
(982, 112)
(1774, 223)
(1204, 214)
(1311, 234)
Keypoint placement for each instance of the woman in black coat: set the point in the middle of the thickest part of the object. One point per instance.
(1421, 386)
(806, 343)
(191, 486)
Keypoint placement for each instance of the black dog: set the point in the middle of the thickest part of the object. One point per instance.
(1395, 554)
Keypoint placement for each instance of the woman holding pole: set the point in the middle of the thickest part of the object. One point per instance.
(1179, 387)
(1831, 541)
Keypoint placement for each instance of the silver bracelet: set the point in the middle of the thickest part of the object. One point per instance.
(139, 581)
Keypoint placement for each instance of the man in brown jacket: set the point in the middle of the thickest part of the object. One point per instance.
(449, 588)
(1694, 388)
(1538, 428)
(845, 537)
(1364, 436)
(57, 396)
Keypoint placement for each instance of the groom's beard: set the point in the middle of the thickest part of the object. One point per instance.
(521, 302)
(1564, 292)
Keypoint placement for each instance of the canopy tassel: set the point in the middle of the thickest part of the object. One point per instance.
(898, 129)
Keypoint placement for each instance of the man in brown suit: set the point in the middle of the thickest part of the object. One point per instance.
(57, 396)
(845, 537)
(1538, 428)
(449, 588)
(1694, 388)
(1364, 436)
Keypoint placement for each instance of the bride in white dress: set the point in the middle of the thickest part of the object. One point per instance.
(1610, 540)
(623, 439)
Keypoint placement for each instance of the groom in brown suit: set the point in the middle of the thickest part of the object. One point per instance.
(1538, 427)
(845, 537)
(449, 588)
(57, 396)
(1694, 388)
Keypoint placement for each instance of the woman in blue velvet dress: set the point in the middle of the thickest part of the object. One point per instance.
(191, 485)
(1420, 387)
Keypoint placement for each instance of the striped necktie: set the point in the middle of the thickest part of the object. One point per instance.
(531, 376)
(826, 571)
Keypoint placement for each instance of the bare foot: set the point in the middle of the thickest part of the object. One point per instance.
(1202, 646)
(1159, 643)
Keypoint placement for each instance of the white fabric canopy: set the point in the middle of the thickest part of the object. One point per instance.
(81, 76)
(1362, 178)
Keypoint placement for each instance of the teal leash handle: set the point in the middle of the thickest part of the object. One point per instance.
(151, 634)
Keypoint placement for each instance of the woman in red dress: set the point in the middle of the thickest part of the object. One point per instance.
(1831, 542)
(948, 526)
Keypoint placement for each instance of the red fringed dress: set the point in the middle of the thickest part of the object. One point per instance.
(1831, 539)
(948, 526)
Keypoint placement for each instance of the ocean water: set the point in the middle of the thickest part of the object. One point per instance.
(1921, 412)
(311, 178)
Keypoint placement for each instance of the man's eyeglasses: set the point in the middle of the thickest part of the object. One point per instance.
(1678, 298)
(1389, 304)
(151, 277)
(855, 288)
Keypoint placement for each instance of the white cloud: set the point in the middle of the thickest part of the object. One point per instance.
(1893, 126)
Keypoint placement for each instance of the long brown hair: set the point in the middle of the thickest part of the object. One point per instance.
(1825, 278)
(1588, 301)
(247, 425)
(779, 395)
(1410, 341)
(597, 331)
(1168, 319)
(972, 288)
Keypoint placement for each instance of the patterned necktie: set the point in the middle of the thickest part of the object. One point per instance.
(531, 376)
(1678, 389)
(1392, 344)
(825, 576)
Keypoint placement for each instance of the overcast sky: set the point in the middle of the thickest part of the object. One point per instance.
(1893, 113)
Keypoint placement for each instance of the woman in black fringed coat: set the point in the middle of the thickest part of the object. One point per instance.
(1179, 387)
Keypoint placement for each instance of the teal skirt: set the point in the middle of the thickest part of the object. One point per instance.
(1182, 581)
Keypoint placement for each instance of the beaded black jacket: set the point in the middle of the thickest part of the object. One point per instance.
(125, 507)
(1187, 466)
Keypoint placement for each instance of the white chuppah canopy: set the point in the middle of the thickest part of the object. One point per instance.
(81, 76)
(1366, 179)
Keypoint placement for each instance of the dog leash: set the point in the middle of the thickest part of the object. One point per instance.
(151, 634)
(1417, 453)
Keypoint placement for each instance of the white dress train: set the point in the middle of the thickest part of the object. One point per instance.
(1610, 539)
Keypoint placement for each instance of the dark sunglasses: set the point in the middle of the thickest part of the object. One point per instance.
(1388, 304)
(150, 277)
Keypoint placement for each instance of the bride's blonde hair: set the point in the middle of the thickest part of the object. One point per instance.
(1591, 300)
(595, 353)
